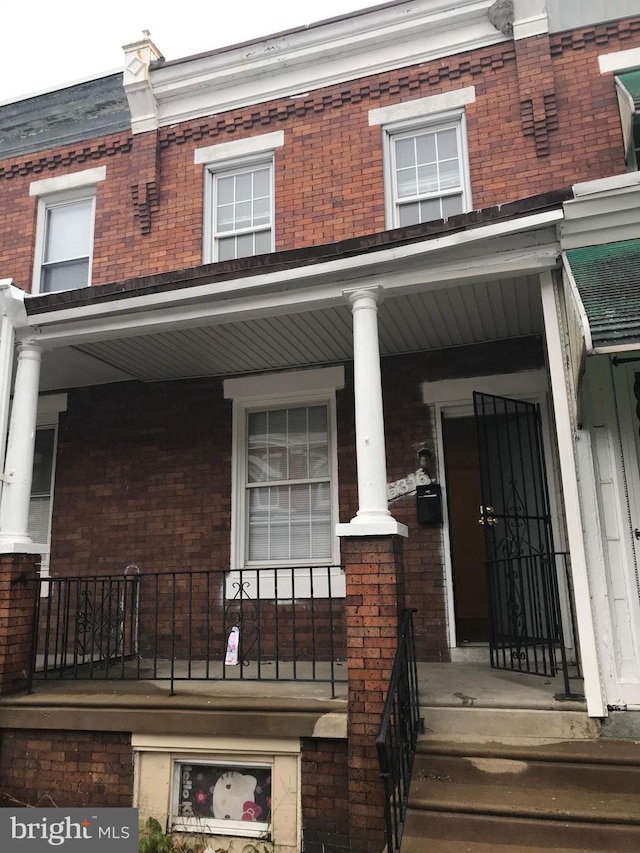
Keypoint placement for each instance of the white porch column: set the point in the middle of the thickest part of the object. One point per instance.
(7, 336)
(373, 517)
(16, 494)
(572, 505)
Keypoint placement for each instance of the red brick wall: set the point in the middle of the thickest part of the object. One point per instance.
(143, 475)
(328, 174)
(66, 768)
(325, 797)
(18, 573)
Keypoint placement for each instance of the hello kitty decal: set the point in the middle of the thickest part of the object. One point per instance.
(225, 793)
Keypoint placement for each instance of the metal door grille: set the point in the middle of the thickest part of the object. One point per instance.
(522, 575)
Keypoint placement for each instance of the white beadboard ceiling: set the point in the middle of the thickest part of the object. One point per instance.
(427, 320)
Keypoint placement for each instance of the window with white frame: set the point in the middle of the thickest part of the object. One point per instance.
(242, 201)
(64, 234)
(43, 474)
(285, 469)
(67, 244)
(239, 196)
(288, 485)
(427, 172)
(425, 157)
(42, 485)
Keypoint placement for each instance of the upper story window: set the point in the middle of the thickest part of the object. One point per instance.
(67, 245)
(64, 233)
(427, 175)
(239, 196)
(426, 160)
(242, 211)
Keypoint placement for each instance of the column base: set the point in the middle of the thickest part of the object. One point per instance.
(383, 525)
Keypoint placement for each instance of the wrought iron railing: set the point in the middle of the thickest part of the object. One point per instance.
(528, 629)
(271, 625)
(398, 733)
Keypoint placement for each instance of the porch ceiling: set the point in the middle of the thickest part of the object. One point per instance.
(417, 321)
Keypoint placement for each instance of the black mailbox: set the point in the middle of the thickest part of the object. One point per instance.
(429, 504)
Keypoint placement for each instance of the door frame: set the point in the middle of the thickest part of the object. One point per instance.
(628, 487)
(454, 398)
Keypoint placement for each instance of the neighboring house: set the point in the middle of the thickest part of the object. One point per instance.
(257, 305)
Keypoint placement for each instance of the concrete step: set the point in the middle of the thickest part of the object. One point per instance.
(454, 832)
(551, 803)
(564, 766)
(524, 793)
(501, 723)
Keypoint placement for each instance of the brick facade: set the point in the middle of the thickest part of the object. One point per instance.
(65, 768)
(144, 470)
(17, 607)
(375, 598)
(325, 796)
(329, 173)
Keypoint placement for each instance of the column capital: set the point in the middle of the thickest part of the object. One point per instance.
(355, 295)
(28, 348)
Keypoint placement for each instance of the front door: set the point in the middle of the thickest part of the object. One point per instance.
(524, 613)
(465, 534)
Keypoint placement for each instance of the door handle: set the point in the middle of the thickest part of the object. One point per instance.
(487, 519)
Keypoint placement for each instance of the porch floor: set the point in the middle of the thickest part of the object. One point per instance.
(476, 684)
(456, 684)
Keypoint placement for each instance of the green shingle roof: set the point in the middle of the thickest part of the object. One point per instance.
(631, 82)
(608, 279)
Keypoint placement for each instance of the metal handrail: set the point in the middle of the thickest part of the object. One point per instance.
(398, 733)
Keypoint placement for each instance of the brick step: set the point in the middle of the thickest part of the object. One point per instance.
(459, 830)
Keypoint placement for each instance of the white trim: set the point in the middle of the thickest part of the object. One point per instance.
(530, 19)
(262, 144)
(604, 185)
(452, 391)
(274, 386)
(49, 407)
(577, 299)
(423, 107)
(621, 60)
(351, 47)
(64, 183)
(573, 512)
(628, 508)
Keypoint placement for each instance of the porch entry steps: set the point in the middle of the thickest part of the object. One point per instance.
(475, 794)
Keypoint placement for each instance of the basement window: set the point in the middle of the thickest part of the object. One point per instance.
(225, 798)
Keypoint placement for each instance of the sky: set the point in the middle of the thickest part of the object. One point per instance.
(44, 44)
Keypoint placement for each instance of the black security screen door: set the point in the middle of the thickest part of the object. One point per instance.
(524, 613)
